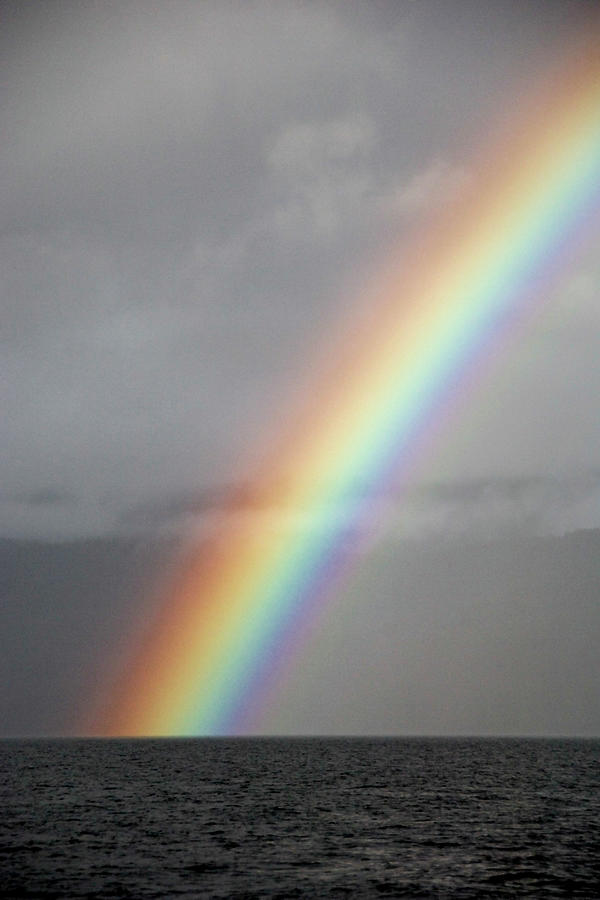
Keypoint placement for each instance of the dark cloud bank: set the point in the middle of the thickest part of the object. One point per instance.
(436, 637)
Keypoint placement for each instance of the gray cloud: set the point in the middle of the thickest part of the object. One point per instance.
(192, 194)
(500, 507)
(492, 508)
(42, 497)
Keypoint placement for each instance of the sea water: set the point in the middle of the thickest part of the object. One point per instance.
(294, 817)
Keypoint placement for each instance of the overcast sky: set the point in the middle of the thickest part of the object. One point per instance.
(191, 190)
(191, 193)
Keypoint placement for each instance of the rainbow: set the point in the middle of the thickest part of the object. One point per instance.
(240, 603)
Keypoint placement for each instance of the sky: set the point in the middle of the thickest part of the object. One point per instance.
(192, 193)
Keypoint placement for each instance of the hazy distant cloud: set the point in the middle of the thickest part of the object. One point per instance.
(166, 510)
(42, 497)
(309, 148)
(495, 507)
(323, 169)
(268, 503)
(439, 183)
(476, 508)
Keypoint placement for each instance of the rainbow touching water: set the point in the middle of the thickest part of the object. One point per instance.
(239, 605)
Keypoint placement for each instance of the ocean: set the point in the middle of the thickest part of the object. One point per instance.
(300, 817)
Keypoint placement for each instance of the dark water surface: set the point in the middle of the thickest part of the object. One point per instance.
(319, 817)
